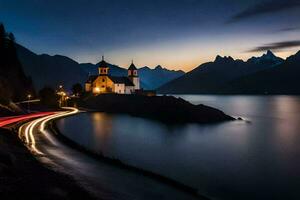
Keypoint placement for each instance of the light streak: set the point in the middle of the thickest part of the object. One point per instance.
(44, 122)
(29, 130)
(4, 121)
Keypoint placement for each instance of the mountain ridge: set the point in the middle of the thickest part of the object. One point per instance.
(282, 79)
(54, 70)
(213, 77)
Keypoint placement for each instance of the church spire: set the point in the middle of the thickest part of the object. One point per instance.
(103, 67)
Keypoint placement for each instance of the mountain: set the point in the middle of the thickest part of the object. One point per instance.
(50, 70)
(268, 59)
(60, 70)
(212, 76)
(158, 76)
(282, 79)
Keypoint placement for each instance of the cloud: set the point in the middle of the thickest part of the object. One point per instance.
(270, 6)
(276, 46)
(288, 29)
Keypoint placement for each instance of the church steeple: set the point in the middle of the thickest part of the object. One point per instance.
(103, 67)
(132, 70)
(133, 76)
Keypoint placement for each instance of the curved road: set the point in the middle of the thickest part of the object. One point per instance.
(104, 180)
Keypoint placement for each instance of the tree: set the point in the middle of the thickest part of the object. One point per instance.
(77, 89)
(12, 38)
(2, 38)
(2, 30)
(49, 97)
(14, 82)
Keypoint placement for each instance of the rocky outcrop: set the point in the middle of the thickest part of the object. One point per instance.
(163, 108)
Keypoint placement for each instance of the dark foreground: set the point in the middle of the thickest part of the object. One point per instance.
(22, 176)
(163, 108)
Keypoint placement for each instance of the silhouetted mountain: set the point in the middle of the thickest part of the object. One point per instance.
(210, 77)
(50, 70)
(282, 79)
(158, 76)
(56, 70)
(268, 59)
(14, 84)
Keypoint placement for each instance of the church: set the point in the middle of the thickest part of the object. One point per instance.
(105, 83)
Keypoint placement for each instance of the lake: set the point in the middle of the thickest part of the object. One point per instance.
(257, 159)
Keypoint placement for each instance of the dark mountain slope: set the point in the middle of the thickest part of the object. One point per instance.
(50, 70)
(210, 77)
(282, 79)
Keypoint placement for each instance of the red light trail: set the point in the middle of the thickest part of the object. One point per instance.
(4, 121)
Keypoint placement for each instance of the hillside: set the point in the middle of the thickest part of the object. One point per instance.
(212, 76)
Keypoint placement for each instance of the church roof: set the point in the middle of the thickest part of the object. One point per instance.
(132, 67)
(91, 78)
(121, 80)
(103, 64)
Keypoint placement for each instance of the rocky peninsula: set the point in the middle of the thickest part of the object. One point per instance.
(163, 108)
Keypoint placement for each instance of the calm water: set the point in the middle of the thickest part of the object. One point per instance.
(232, 160)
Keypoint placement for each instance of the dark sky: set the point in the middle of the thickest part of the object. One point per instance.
(174, 33)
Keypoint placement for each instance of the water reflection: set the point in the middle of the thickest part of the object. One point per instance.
(234, 160)
(102, 129)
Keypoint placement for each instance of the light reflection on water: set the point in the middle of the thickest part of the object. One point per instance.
(233, 160)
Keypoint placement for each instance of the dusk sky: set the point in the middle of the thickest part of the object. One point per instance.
(177, 34)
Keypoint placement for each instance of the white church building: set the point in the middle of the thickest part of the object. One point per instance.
(105, 83)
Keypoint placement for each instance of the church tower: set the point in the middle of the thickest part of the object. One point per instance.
(103, 68)
(133, 76)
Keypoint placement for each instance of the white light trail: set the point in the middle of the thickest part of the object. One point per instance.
(29, 130)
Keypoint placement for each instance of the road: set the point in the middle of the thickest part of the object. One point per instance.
(106, 181)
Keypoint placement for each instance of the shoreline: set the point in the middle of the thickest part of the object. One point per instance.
(118, 163)
(23, 176)
(54, 187)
